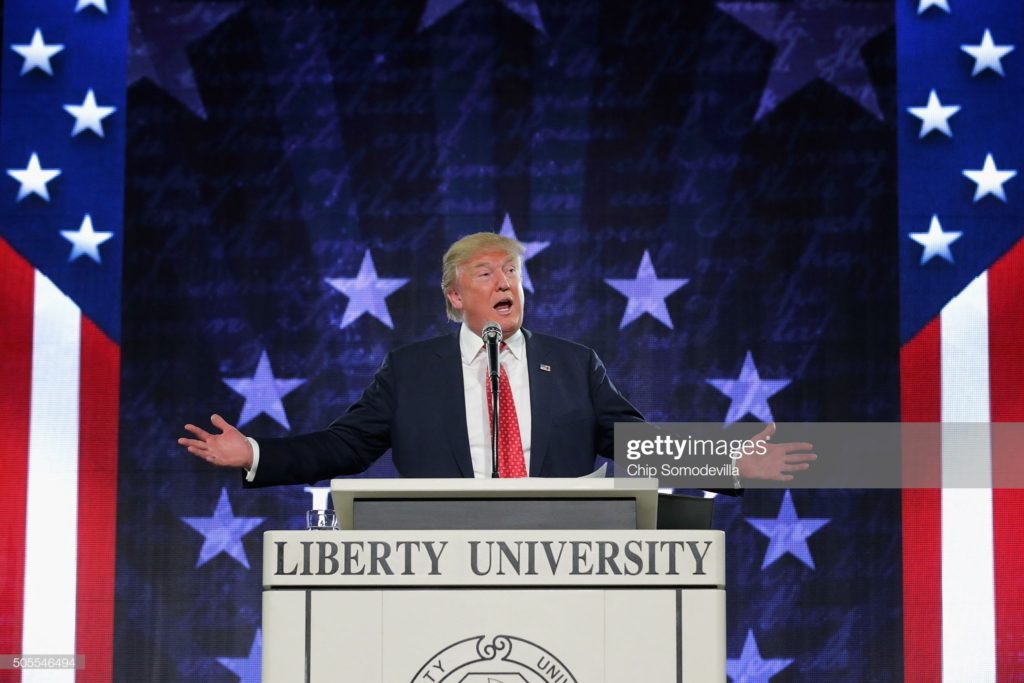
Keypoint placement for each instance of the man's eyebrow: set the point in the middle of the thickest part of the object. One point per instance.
(511, 260)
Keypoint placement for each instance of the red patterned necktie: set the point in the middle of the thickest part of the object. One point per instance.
(511, 463)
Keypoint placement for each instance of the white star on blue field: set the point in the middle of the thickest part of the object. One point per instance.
(37, 54)
(646, 293)
(100, 5)
(923, 5)
(936, 241)
(751, 667)
(86, 240)
(89, 114)
(263, 393)
(788, 533)
(33, 178)
(934, 115)
(222, 532)
(987, 55)
(366, 293)
(749, 393)
(989, 179)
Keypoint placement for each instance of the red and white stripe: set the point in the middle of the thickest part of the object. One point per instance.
(963, 551)
(58, 432)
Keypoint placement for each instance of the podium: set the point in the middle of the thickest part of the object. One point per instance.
(494, 581)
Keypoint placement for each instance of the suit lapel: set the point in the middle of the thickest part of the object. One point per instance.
(540, 404)
(452, 397)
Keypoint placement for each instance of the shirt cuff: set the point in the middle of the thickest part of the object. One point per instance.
(250, 474)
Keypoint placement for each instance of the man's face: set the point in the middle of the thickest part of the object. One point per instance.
(488, 287)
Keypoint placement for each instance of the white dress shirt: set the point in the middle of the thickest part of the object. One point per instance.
(474, 378)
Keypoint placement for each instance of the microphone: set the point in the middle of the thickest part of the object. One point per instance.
(492, 338)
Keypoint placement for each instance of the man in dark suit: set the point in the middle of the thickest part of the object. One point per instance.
(428, 401)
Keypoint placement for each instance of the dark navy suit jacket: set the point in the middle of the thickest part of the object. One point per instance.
(416, 407)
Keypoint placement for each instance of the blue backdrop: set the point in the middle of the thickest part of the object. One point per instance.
(710, 194)
(275, 148)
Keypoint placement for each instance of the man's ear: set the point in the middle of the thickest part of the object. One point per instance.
(455, 298)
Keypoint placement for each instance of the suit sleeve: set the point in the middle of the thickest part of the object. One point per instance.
(348, 446)
(610, 407)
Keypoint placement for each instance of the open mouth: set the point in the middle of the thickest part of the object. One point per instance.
(504, 306)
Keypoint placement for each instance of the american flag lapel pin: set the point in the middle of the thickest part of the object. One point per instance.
(545, 367)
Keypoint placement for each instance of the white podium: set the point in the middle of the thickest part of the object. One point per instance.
(499, 604)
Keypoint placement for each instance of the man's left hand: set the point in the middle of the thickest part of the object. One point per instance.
(779, 463)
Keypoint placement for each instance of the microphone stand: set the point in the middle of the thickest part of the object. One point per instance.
(492, 337)
(494, 378)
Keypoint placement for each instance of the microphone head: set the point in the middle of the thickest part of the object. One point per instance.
(492, 331)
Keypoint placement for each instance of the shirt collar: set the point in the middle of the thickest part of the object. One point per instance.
(470, 345)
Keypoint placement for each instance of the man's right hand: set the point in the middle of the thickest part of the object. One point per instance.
(230, 448)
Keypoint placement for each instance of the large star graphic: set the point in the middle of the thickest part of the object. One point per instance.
(526, 9)
(222, 532)
(246, 668)
(366, 292)
(751, 667)
(37, 54)
(263, 393)
(988, 178)
(815, 39)
(749, 393)
(646, 293)
(936, 241)
(788, 533)
(86, 241)
(532, 249)
(33, 178)
(88, 115)
(987, 55)
(934, 115)
(159, 34)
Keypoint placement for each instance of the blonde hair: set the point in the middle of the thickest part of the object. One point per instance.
(463, 250)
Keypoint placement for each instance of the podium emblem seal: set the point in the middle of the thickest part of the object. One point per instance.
(501, 659)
